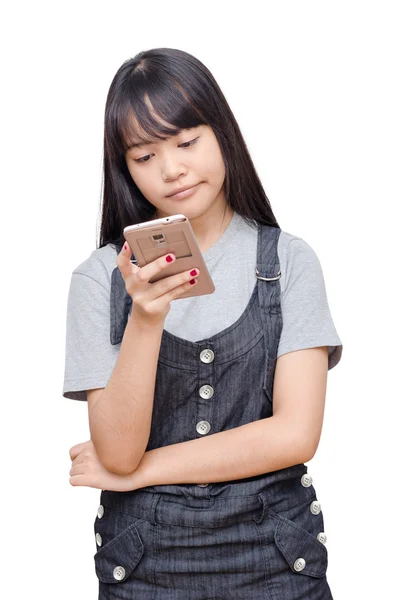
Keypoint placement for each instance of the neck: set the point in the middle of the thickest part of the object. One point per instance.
(209, 227)
(207, 235)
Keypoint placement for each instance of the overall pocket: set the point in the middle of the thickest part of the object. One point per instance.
(119, 545)
(296, 536)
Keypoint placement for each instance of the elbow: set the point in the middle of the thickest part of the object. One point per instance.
(116, 464)
(308, 448)
(119, 467)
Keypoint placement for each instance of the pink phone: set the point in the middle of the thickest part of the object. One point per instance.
(158, 237)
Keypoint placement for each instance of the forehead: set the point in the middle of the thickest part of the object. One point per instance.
(137, 136)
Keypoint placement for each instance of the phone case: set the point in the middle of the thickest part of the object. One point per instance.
(152, 239)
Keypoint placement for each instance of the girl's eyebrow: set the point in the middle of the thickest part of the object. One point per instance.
(144, 142)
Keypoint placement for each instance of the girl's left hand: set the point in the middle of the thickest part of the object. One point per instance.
(87, 470)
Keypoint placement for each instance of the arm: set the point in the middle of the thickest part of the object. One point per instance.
(289, 437)
(123, 411)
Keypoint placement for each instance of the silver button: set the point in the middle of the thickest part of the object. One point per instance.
(119, 573)
(207, 355)
(203, 427)
(98, 538)
(322, 537)
(315, 507)
(206, 391)
(202, 484)
(306, 480)
(299, 564)
(101, 510)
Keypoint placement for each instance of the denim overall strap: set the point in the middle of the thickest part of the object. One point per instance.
(268, 274)
(268, 271)
(120, 303)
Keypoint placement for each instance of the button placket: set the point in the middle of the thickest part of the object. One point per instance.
(207, 355)
(203, 427)
(206, 391)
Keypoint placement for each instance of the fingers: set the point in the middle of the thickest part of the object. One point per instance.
(145, 273)
(173, 286)
(124, 263)
(78, 448)
(79, 459)
(75, 450)
(156, 266)
(78, 469)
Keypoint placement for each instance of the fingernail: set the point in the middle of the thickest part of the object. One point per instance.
(192, 281)
(169, 258)
(125, 247)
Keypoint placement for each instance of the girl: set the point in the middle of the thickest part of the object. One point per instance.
(202, 411)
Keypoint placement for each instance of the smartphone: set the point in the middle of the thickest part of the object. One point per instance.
(151, 239)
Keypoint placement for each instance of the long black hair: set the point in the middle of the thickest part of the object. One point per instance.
(184, 93)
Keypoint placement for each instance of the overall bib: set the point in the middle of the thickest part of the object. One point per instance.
(259, 538)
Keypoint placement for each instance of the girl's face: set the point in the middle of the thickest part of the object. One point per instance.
(192, 157)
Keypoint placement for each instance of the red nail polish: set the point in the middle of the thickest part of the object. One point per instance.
(194, 272)
(192, 281)
(169, 258)
(125, 246)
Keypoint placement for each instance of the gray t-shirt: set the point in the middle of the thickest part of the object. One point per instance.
(231, 262)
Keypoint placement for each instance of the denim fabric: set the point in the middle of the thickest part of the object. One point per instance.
(243, 539)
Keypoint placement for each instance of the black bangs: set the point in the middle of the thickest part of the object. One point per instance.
(148, 109)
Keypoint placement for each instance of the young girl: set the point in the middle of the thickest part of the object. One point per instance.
(202, 410)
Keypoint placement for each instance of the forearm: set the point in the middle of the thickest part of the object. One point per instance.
(252, 449)
(120, 420)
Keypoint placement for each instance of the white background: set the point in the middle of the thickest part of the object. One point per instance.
(313, 88)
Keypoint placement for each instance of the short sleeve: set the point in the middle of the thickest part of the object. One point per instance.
(307, 320)
(89, 355)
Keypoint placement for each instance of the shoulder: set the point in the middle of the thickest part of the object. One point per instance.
(291, 246)
(99, 265)
(298, 260)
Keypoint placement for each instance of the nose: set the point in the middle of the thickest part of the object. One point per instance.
(172, 168)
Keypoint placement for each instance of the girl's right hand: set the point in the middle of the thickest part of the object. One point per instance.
(151, 301)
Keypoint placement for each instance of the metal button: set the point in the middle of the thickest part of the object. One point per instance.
(206, 391)
(203, 427)
(202, 484)
(299, 564)
(98, 538)
(315, 507)
(322, 537)
(207, 355)
(306, 480)
(101, 510)
(119, 573)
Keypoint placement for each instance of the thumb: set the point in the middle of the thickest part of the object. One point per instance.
(123, 261)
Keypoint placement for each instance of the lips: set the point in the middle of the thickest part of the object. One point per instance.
(182, 189)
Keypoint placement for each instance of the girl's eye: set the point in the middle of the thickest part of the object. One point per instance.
(184, 145)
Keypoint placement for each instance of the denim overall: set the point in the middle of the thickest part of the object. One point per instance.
(256, 538)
